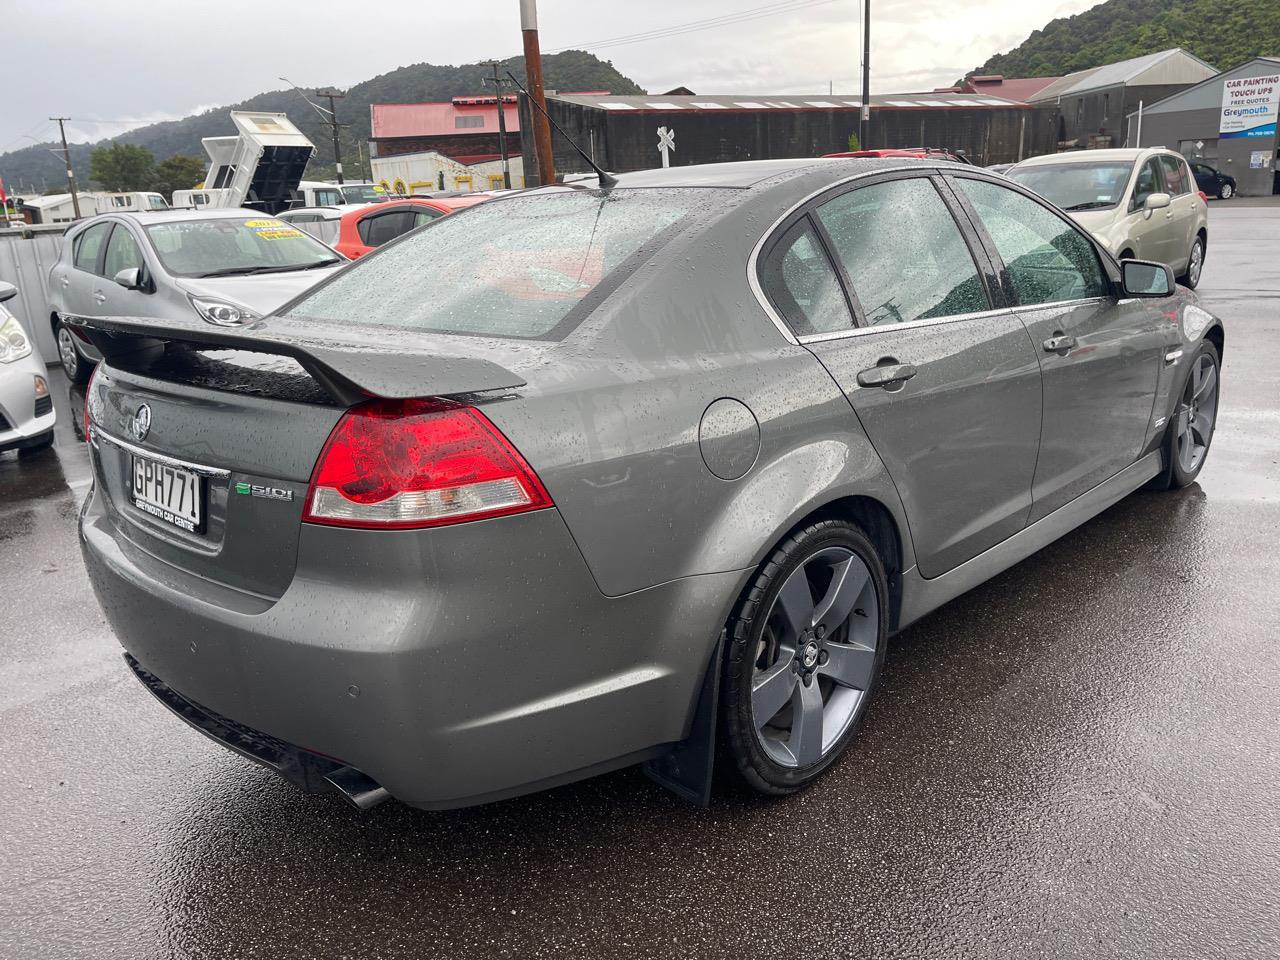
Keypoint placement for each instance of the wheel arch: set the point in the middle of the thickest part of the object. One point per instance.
(1217, 336)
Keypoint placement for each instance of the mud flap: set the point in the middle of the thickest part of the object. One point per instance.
(686, 770)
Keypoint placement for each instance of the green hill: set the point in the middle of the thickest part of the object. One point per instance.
(570, 70)
(1221, 32)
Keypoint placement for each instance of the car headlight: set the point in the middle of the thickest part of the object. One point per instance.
(224, 313)
(14, 344)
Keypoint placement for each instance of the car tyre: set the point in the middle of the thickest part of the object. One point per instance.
(75, 365)
(1190, 431)
(806, 646)
(1226, 191)
(1195, 265)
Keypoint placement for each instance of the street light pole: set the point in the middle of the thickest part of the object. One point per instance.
(533, 72)
(66, 156)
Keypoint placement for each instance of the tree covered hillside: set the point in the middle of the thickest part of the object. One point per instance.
(570, 70)
(1222, 32)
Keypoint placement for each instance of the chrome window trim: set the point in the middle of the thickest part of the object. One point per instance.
(753, 279)
(1078, 302)
(908, 325)
(216, 473)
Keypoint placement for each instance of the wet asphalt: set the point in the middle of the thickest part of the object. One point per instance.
(1080, 758)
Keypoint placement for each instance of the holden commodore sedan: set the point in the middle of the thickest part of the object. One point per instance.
(584, 477)
(221, 265)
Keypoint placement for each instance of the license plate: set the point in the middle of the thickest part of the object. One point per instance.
(168, 493)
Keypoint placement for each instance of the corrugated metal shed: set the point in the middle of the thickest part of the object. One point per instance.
(758, 102)
(1166, 67)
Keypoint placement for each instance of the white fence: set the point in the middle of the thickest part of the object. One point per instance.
(26, 256)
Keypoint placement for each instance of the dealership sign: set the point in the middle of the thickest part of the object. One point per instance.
(1249, 107)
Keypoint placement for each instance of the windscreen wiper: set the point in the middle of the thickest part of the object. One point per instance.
(1089, 205)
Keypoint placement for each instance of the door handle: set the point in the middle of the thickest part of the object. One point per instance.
(66, 282)
(1061, 344)
(890, 376)
(99, 297)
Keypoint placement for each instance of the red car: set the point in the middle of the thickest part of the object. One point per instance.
(367, 228)
(914, 153)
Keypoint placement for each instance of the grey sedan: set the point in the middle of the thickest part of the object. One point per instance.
(588, 476)
(222, 265)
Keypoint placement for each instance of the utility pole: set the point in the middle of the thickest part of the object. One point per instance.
(66, 156)
(332, 95)
(502, 125)
(864, 119)
(533, 72)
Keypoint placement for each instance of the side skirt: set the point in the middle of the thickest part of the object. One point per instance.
(922, 596)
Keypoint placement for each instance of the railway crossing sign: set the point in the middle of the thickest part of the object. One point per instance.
(666, 144)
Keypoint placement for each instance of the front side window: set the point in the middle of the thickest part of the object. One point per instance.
(1047, 259)
(903, 252)
(1148, 183)
(123, 252)
(382, 228)
(223, 246)
(801, 283)
(1175, 175)
(89, 244)
(513, 267)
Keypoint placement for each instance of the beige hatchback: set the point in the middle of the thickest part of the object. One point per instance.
(1141, 204)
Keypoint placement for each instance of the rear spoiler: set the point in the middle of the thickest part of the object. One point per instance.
(351, 363)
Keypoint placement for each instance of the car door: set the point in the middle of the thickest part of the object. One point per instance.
(1181, 216)
(1150, 235)
(124, 252)
(79, 282)
(1206, 179)
(1100, 356)
(943, 381)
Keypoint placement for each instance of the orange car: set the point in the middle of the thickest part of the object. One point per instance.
(370, 227)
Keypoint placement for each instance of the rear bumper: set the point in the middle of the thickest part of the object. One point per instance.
(452, 666)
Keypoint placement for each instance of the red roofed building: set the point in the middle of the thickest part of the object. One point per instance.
(1020, 89)
(463, 127)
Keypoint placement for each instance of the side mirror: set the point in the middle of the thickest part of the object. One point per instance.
(7, 291)
(129, 278)
(1156, 201)
(1141, 278)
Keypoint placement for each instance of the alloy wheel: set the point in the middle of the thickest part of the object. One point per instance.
(67, 352)
(1196, 263)
(1226, 191)
(816, 658)
(1197, 413)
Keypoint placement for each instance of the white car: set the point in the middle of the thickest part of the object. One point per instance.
(1141, 204)
(26, 406)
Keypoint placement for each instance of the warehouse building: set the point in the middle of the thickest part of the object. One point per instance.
(1227, 122)
(622, 133)
(1094, 104)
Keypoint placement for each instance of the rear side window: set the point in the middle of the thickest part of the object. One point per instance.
(1175, 175)
(802, 283)
(903, 252)
(513, 267)
(383, 227)
(1047, 260)
(89, 245)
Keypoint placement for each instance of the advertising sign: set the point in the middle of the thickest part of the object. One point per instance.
(1249, 107)
(1257, 160)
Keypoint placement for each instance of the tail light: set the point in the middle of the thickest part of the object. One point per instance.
(397, 464)
(1203, 196)
(88, 395)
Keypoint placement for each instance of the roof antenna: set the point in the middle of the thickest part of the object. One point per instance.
(606, 180)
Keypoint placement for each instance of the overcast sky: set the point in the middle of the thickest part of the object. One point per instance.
(110, 60)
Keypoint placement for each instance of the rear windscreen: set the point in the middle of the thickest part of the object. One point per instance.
(513, 267)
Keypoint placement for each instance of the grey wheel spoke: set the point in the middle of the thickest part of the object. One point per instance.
(849, 664)
(1196, 373)
(1201, 426)
(1184, 421)
(805, 743)
(795, 602)
(848, 580)
(1207, 380)
(771, 689)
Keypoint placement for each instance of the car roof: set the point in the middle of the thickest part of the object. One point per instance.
(1095, 156)
(746, 174)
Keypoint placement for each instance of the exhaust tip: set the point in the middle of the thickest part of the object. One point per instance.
(358, 789)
